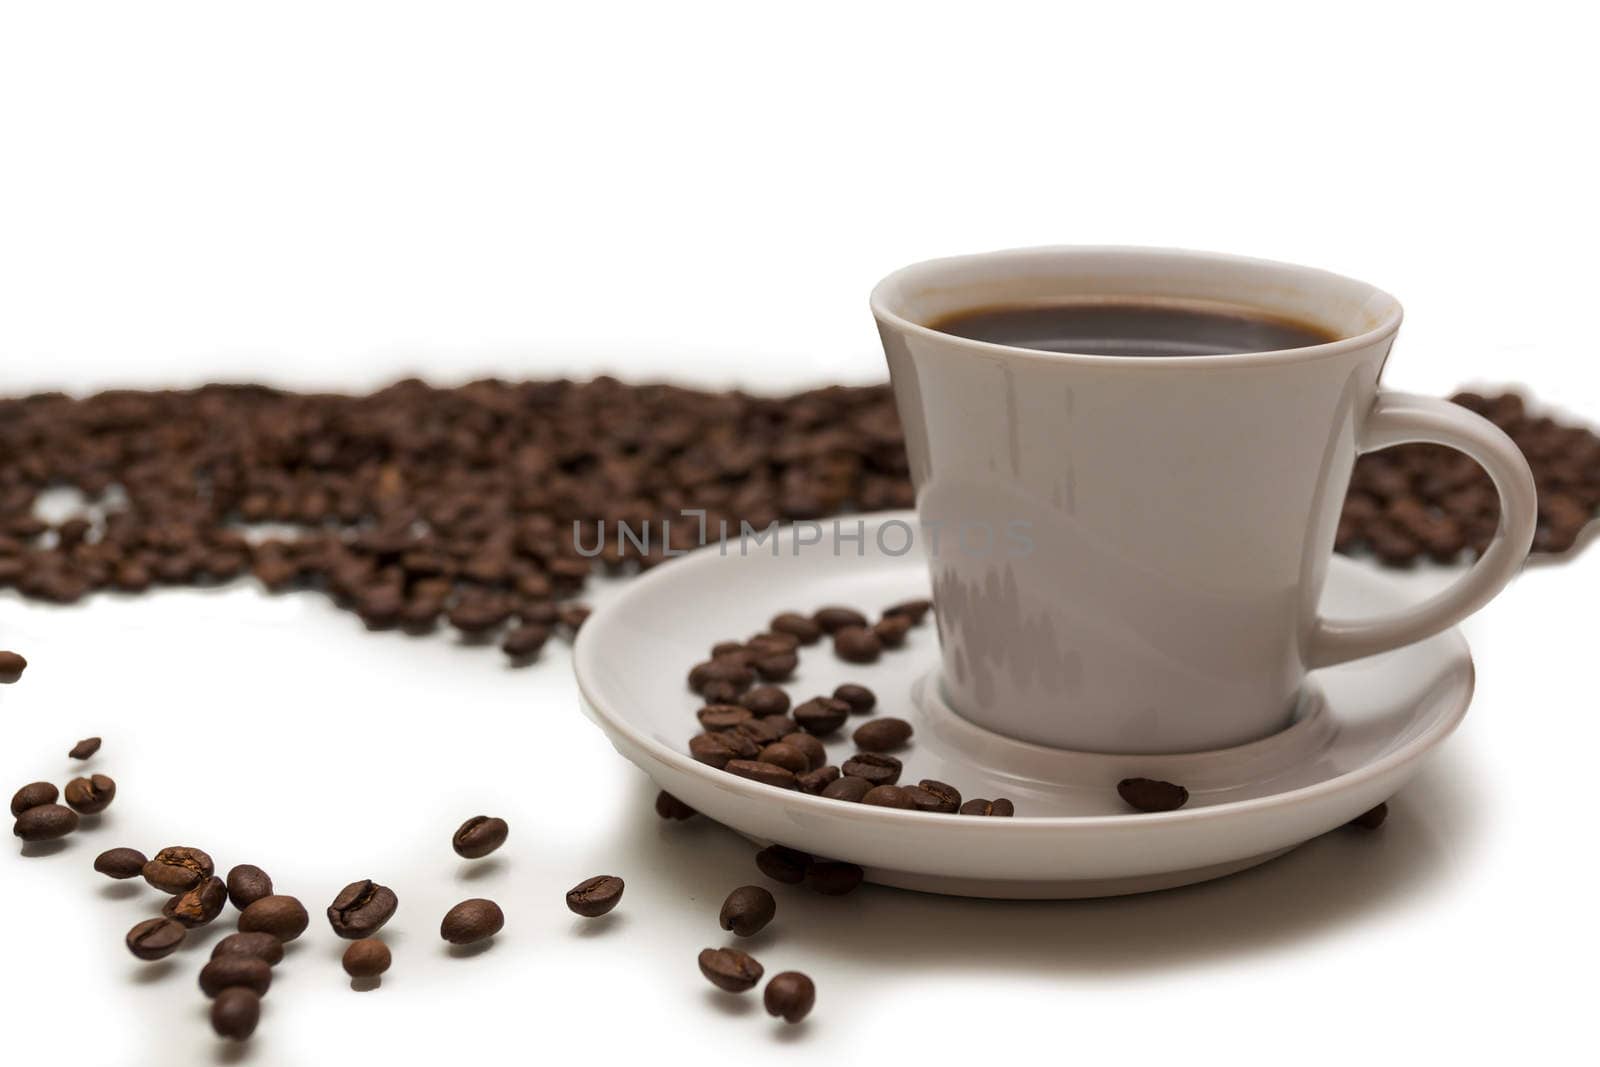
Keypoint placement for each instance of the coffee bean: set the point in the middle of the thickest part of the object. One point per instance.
(765, 773)
(882, 735)
(888, 796)
(857, 644)
(471, 921)
(1370, 819)
(155, 939)
(361, 909)
(262, 946)
(722, 692)
(766, 730)
(45, 822)
(914, 610)
(832, 620)
(948, 797)
(573, 615)
(816, 755)
(283, 917)
(821, 715)
(85, 748)
(178, 869)
(848, 789)
(818, 780)
(33, 795)
(833, 879)
(197, 906)
(1002, 807)
(765, 700)
(1150, 794)
(728, 670)
(747, 910)
(91, 795)
(858, 697)
(593, 897)
(120, 862)
(729, 648)
(479, 836)
(786, 756)
(784, 865)
(804, 630)
(777, 666)
(233, 971)
(768, 644)
(526, 640)
(789, 996)
(715, 717)
(874, 767)
(729, 969)
(716, 750)
(247, 884)
(366, 958)
(891, 631)
(11, 666)
(670, 807)
(235, 1013)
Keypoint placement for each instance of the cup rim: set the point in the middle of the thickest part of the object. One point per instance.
(1386, 326)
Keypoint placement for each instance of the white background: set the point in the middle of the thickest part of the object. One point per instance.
(333, 195)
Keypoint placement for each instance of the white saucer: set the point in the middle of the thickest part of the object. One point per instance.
(1362, 731)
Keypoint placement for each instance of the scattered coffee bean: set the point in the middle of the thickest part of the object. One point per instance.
(729, 969)
(722, 692)
(11, 666)
(178, 869)
(882, 735)
(1150, 794)
(715, 717)
(888, 796)
(33, 795)
(262, 946)
(857, 644)
(479, 836)
(767, 644)
(1372, 818)
(526, 640)
(91, 795)
(155, 939)
(197, 906)
(816, 755)
(230, 971)
(45, 822)
(806, 631)
(858, 697)
(247, 884)
(283, 917)
(832, 620)
(85, 748)
(1001, 808)
(727, 648)
(573, 616)
(821, 715)
(765, 700)
(847, 788)
(786, 865)
(947, 796)
(670, 807)
(832, 878)
(361, 909)
(716, 750)
(471, 921)
(120, 862)
(876, 768)
(747, 910)
(817, 781)
(789, 996)
(594, 897)
(914, 610)
(766, 730)
(728, 670)
(366, 958)
(777, 666)
(891, 631)
(786, 756)
(235, 1013)
(765, 773)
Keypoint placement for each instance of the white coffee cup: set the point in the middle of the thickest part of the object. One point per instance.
(1155, 531)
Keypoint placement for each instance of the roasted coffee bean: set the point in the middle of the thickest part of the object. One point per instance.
(177, 869)
(1370, 819)
(479, 836)
(766, 644)
(979, 806)
(91, 795)
(573, 616)
(874, 767)
(821, 715)
(197, 906)
(914, 610)
(85, 748)
(891, 631)
(858, 697)
(882, 735)
(802, 629)
(366, 958)
(721, 692)
(765, 700)
(45, 822)
(857, 644)
(765, 773)
(786, 756)
(231, 971)
(817, 781)
(120, 862)
(593, 897)
(816, 755)
(777, 666)
(155, 939)
(728, 648)
(471, 921)
(832, 620)
(11, 666)
(715, 717)
(283, 917)
(947, 796)
(247, 884)
(525, 640)
(670, 807)
(262, 946)
(747, 910)
(361, 909)
(716, 750)
(848, 789)
(235, 1013)
(785, 865)
(33, 795)
(730, 671)
(789, 996)
(888, 796)
(1150, 794)
(766, 730)
(729, 969)
(832, 878)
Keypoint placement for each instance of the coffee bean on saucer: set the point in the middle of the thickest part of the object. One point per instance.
(728, 670)
(33, 795)
(729, 969)
(857, 644)
(806, 631)
(948, 796)
(155, 939)
(817, 781)
(816, 755)
(525, 640)
(178, 868)
(227, 972)
(670, 807)
(747, 910)
(766, 730)
(283, 917)
(888, 796)
(91, 795)
(770, 644)
(716, 750)
(1001, 808)
(834, 619)
(1150, 794)
(848, 789)
(479, 836)
(120, 862)
(765, 700)
(1372, 818)
(197, 906)
(728, 648)
(876, 768)
(723, 692)
(777, 666)
(247, 884)
(471, 921)
(832, 878)
(789, 996)
(891, 631)
(366, 958)
(786, 756)
(594, 897)
(85, 748)
(765, 773)
(882, 735)
(821, 715)
(11, 666)
(913, 610)
(361, 909)
(235, 1013)
(858, 697)
(715, 717)
(45, 822)
(262, 946)
(786, 865)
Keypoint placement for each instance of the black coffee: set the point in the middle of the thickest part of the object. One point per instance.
(1133, 329)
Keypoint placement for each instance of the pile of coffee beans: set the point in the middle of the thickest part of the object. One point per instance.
(39, 817)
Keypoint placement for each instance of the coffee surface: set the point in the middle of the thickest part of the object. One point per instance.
(1132, 329)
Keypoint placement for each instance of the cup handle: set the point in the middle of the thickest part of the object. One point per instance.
(1403, 418)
